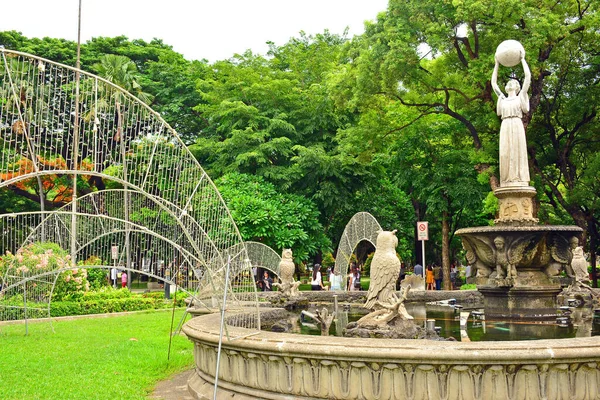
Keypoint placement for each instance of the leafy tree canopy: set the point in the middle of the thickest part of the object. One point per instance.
(276, 219)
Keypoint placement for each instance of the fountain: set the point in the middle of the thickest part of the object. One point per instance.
(517, 261)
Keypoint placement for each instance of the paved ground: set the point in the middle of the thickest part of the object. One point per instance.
(174, 388)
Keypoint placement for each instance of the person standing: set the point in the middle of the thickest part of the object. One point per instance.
(401, 276)
(123, 279)
(267, 282)
(429, 278)
(317, 281)
(438, 276)
(418, 270)
(335, 280)
(453, 275)
(355, 280)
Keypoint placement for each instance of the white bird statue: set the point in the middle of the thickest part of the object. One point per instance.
(385, 269)
(286, 266)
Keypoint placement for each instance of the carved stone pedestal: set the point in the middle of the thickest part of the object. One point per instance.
(515, 205)
(520, 302)
(517, 267)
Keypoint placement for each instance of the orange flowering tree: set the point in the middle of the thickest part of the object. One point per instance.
(57, 188)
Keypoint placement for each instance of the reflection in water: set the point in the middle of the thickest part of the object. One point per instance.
(477, 328)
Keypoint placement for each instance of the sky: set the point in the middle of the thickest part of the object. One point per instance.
(210, 29)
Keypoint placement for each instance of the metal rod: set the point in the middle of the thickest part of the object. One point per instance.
(222, 325)
(172, 319)
(76, 145)
(423, 253)
(25, 307)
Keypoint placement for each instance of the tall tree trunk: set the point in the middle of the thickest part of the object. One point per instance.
(446, 250)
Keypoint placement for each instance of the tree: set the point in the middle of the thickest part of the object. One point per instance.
(435, 59)
(278, 220)
(273, 117)
(172, 80)
(121, 71)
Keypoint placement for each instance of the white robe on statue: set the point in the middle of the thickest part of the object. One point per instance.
(514, 167)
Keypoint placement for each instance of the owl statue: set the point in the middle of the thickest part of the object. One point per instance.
(385, 269)
(286, 266)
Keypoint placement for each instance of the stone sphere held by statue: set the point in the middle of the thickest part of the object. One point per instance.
(509, 53)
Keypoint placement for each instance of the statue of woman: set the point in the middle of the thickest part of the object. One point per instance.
(514, 168)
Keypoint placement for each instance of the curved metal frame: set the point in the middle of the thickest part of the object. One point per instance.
(56, 120)
(362, 226)
(262, 256)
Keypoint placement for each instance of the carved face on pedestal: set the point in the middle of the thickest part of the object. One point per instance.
(499, 242)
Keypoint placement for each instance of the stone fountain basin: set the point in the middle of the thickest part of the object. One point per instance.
(270, 365)
(536, 254)
(528, 248)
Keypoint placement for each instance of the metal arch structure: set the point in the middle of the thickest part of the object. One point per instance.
(362, 226)
(262, 256)
(123, 177)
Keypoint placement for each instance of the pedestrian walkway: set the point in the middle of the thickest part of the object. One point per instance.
(174, 388)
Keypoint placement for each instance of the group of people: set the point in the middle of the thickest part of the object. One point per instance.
(336, 279)
(434, 276)
(265, 284)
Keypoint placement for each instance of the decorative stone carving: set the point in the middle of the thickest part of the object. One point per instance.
(287, 286)
(508, 250)
(514, 167)
(283, 366)
(385, 269)
(322, 318)
(387, 313)
(416, 282)
(515, 206)
(514, 194)
(579, 264)
(516, 266)
(505, 270)
(480, 263)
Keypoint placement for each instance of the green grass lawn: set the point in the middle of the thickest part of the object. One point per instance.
(118, 357)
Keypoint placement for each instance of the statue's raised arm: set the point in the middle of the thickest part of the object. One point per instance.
(495, 80)
(526, 83)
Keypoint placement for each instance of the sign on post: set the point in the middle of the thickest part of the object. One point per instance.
(422, 230)
(114, 252)
(423, 235)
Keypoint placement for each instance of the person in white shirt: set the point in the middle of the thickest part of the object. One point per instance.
(335, 280)
(317, 281)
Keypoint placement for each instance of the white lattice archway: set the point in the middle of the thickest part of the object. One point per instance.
(122, 176)
(362, 226)
(262, 256)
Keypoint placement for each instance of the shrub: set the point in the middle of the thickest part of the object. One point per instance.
(71, 285)
(97, 277)
(38, 258)
(468, 286)
(103, 306)
(367, 266)
(107, 292)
